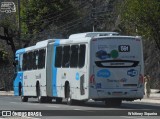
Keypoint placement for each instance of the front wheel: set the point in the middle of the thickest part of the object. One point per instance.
(24, 98)
(70, 101)
(40, 98)
(58, 100)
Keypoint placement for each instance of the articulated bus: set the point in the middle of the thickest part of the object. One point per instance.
(101, 66)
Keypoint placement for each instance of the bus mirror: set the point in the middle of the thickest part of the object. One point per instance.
(15, 63)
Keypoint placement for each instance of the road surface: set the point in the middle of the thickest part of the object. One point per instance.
(90, 110)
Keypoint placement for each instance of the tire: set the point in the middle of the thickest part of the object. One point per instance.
(113, 102)
(58, 100)
(70, 101)
(40, 98)
(24, 98)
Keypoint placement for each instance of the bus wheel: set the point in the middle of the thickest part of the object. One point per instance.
(58, 100)
(40, 98)
(113, 102)
(69, 100)
(68, 95)
(24, 98)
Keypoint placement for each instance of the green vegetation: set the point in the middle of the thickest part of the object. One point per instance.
(142, 17)
(38, 15)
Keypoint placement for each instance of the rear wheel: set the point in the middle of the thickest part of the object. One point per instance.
(113, 102)
(58, 100)
(23, 98)
(70, 101)
(40, 98)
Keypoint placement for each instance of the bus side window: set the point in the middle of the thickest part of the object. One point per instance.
(35, 59)
(74, 56)
(30, 60)
(66, 56)
(58, 59)
(41, 58)
(24, 66)
(82, 51)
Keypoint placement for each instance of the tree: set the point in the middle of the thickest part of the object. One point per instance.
(38, 15)
(141, 17)
(9, 30)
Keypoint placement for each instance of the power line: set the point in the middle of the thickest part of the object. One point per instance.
(60, 15)
(67, 25)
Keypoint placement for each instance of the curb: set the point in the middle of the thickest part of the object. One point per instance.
(155, 101)
(6, 93)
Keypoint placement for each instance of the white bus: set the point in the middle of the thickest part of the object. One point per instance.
(102, 66)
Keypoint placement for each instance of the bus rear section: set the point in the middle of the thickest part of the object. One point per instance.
(116, 69)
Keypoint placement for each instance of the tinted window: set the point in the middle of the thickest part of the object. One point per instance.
(74, 56)
(66, 56)
(29, 60)
(24, 66)
(58, 59)
(41, 58)
(35, 59)
(82, 50)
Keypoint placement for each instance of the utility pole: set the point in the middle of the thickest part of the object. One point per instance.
(19, 25)
(94, 14)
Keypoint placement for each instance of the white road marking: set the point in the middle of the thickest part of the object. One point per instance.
(54, 106)
(14, 102)
(76, 109)
(132, 117)
(83, 110)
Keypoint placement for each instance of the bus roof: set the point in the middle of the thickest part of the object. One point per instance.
(92, 34)
(79, 37)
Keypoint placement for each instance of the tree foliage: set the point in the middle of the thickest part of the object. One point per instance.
(142, 17)
(37, 15)
(8, 28)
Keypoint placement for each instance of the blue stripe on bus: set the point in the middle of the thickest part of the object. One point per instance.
(18, 79)
(19, 75)
(54, 69)
(20, 51)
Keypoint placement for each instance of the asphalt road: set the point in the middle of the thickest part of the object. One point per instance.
(91, 110)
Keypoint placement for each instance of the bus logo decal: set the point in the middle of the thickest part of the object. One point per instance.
(102, 54)
(104, 73)
(77, 76)
(132, 72)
